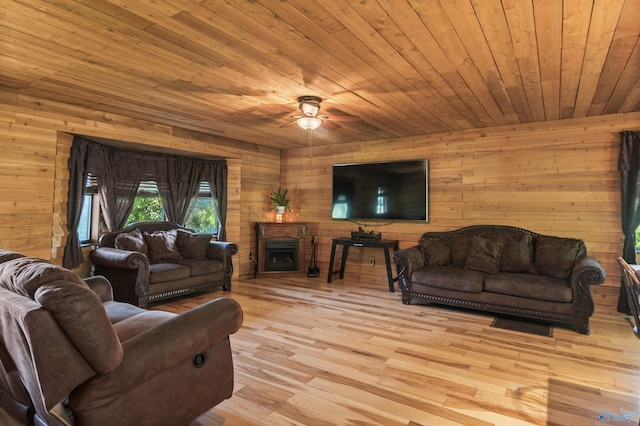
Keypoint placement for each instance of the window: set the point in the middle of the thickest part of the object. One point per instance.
(202, 213)
(147, 205)
(84, 227)
(88, 225)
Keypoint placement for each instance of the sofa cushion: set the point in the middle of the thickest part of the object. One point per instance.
(517, 254)
(530, 286)
(203, 266)
(163, 272)
(131, 327)
(436, 251)
(162, 246)
(118, 311)
(192, 246)
(450, 278)
(484, 255)
(132, 241)
(556, 256)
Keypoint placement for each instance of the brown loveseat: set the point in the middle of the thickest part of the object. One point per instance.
(150, 261)
(70, 355)
(502, 269)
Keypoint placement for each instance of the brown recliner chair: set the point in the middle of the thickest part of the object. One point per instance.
(71, 355)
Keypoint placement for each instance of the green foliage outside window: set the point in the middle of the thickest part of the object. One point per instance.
(146, 209)
(202, 217)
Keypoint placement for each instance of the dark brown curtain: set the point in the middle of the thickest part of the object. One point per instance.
(181, 185)
(119, 172)
(216, 174)
(77, 182)
(629, 166)
(116, 200)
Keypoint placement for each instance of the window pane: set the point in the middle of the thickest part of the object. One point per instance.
(147, 205)
(84, 227)
(203, 216)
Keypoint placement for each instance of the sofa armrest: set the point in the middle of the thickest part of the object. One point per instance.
(408, 260)
(127, 271)
(101, 286)
(116, 258)
(167, 345)
(222, 251)
(586, 271)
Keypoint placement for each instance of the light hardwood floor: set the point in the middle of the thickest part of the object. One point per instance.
(349, 353)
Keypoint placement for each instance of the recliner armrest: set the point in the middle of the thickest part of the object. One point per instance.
(101, 286)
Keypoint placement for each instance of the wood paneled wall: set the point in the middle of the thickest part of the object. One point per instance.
(35, 142)
(557, 178)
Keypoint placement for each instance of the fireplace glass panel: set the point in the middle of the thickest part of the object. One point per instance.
(281, 255)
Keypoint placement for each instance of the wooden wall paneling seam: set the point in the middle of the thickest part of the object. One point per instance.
(604, 19)
(548, 19)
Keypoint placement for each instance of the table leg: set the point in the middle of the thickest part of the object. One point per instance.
(331, 261)
(387, 259)
(345, 249)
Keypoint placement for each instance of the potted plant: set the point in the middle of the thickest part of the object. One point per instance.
(280, 200)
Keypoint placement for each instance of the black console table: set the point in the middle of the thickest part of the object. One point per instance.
(346, 242)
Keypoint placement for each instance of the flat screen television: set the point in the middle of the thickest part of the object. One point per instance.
(392, 191)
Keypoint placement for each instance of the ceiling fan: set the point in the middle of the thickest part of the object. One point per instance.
(310, 120)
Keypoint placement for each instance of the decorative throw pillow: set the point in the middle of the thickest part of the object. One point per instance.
(436, 251)
(193, 246)
(556, 256)
(132, 241)
(459, 249)
(517, 254)
(162, 246)
(484, 255)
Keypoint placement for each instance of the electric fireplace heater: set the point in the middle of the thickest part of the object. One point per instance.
(281, 255)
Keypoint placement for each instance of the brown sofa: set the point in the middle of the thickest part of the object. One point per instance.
(502, 269)
(71, 355)
(150, 261)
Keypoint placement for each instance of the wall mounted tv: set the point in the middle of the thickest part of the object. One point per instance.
(391, 191)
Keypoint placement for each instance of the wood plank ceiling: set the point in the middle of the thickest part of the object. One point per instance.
(234, 68)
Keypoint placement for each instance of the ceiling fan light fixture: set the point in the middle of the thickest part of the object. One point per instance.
(309, 123)
(309, 105)
(309, 109)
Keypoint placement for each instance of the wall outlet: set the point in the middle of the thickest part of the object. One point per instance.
(372, 261)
